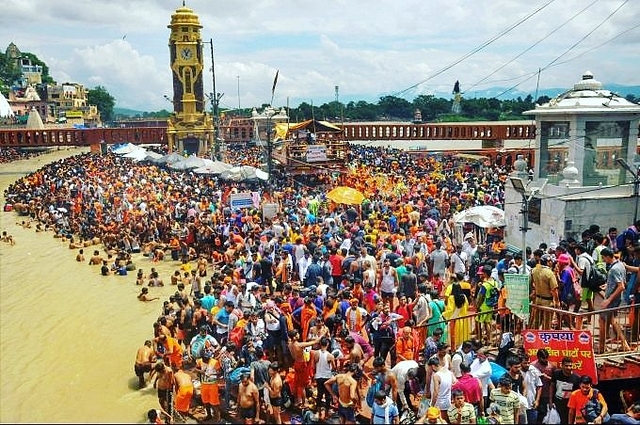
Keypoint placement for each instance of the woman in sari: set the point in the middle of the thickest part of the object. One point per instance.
(457, 305)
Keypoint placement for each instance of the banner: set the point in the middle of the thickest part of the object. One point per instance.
(517, 294)
(577, 345)
(316, 153)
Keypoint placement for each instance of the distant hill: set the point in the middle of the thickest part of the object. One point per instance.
(124, 112)
(491, 92)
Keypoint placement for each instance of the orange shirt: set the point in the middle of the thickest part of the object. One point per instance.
(578, 400)
(404, 347)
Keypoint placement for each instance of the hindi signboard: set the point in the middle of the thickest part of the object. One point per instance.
(316, 153)
(517, 294)
(577, 345)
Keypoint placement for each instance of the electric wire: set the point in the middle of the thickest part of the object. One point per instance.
(550, 64)
(477, 49)
(533, 45)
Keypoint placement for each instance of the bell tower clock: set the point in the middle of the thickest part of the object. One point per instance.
(190, 128)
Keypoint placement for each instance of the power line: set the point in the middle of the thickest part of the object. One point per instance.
(534, 44)
(550, 64)
(479, 48)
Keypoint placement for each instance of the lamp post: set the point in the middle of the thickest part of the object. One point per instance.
(518, 185)
(636, 183)
(269, 112)
(215, 100)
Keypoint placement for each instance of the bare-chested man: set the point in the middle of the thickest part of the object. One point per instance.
(248, 400)
(356, 353)
(275, 393)
(144, 362)
(96, 259)
(164, 383)
(184, 391)
(300, 365)
(348, 396)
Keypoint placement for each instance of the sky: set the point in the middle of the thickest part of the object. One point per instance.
(371, 49)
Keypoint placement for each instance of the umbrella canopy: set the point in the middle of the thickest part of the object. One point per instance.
(345, 195)
(152, 156)
(124, 148)
(213, 167)
(189, 163)
(483, 216)
(169, 158)
(137, 154)
(244, 172)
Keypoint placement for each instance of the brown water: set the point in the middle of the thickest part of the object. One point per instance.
(68, 336)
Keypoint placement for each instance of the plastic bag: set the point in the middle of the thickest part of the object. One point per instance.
(552, 417)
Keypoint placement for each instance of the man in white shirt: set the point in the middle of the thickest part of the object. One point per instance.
(404, 371)
(481, 369)
(533, 388)
(303, 264)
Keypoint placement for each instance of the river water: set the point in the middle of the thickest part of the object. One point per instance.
(68, 336)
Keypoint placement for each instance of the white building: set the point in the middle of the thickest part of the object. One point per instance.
(579, 179)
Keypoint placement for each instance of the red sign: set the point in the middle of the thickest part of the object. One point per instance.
(577, 345)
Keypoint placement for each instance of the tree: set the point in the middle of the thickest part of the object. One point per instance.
(9, 73)
(100, 97)
(392, 107)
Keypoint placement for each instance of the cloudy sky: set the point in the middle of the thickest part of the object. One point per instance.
(368, 49)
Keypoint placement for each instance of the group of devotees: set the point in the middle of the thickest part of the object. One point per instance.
(369, 312)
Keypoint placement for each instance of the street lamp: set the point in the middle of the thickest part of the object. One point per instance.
(636, 182)
(215, 100)
(527, 194)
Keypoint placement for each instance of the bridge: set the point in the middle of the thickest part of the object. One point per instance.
(371, 131)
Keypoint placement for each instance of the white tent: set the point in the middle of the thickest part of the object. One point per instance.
(244, 172)
(213, 167)
(169, 158)
(5, 108)
(152, 156)
(188, 163)
(483, 216)
(125, 148)
(137, 154)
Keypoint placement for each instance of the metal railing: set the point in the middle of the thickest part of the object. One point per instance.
(622, 335)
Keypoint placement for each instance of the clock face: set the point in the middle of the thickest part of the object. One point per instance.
(185, 53)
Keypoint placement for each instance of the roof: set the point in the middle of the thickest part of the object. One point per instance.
(587, 96)
(314, 126)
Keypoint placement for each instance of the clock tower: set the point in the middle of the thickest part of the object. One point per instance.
(190, 128)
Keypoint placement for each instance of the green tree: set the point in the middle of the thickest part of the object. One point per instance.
(9, 73)
(100, 97)
(431, 108)
(392, 107)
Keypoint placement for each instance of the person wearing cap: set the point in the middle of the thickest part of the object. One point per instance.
(484, 291)
(355, 316)
(432, 416)
(508, 400)
(568, 296)
(545, 291)
(208, 369)
(579, 399)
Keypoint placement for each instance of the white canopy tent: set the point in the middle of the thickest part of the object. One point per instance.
(244, 172)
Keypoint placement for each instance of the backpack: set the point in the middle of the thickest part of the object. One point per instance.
(237, 373)
(593, 408)
(595, 279)
(377, 385)
(286, 395)
(491, 295)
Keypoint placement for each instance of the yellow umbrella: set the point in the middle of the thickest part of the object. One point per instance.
(345, 195)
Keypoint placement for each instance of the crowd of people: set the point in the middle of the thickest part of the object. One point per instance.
(8, 154)
(324, 305)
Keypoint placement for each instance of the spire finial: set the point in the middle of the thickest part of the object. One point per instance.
(184, 3)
